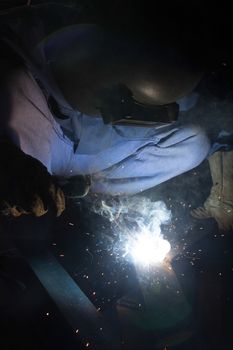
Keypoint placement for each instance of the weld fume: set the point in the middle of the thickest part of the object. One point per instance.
(129, 217)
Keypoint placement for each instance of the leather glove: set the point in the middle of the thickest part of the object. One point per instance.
(26, 187)
(220, 211)
(219, 204)
(224, 217)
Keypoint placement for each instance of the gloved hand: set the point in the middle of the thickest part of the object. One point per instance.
(224, 217)
(219, 204)
(221, 212)
(26, 187)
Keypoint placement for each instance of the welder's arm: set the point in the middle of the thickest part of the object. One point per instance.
(26, 187)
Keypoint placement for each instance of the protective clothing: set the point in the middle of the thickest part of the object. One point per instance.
(219, 204)
(119, 159)
(26, 187)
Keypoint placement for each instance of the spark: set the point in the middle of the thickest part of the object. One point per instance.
(146, 248)
(137, 226)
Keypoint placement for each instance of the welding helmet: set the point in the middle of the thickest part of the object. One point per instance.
(122, 78)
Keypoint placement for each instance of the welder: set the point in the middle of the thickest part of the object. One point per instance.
(100, 109)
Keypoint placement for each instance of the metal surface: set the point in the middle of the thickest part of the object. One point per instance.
(75, 306)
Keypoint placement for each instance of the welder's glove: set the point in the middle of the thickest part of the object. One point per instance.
(26, 187)
(219, 204)
(217, 209)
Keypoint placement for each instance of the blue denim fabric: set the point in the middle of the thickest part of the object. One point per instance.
(128, 160)
(224, 142)
(120, 159)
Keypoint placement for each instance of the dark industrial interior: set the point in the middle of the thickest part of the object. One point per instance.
(191, 310)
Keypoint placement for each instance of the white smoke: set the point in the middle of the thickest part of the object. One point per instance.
(136, 222)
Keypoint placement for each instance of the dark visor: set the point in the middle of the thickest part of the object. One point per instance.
(119, 107)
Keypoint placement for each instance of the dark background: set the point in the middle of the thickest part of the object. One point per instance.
(29, 318)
